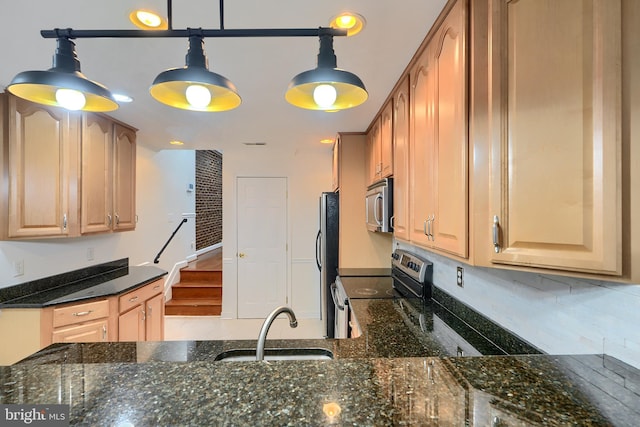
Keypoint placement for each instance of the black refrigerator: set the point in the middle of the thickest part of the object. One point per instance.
(327, 257)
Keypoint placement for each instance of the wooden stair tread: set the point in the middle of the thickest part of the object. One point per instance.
(197, 285)
(195, 301)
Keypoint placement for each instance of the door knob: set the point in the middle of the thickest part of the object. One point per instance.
(241, 255)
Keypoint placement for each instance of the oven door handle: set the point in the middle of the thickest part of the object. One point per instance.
(334, 295)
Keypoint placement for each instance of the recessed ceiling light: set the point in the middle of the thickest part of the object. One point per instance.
(176, 142)
(350, 21)
(122, 98)
(148, 20)
(327, 141)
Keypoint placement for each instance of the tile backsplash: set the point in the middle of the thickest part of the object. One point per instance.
(557, 314)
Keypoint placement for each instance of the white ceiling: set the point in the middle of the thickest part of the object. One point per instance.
(261, 68)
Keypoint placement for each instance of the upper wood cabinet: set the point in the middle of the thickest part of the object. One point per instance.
(380, 146)
(372, 153)
(108, 175)
(40, 170)
(401, 120)
(63, 173)
(124, 179)
(335, 169)
(438, 184)
(555, 115)
(97, 166)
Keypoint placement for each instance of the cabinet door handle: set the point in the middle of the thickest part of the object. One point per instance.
(117, 219)
(149, 311)
(64, 221)
(109, 220)
(133, 299)
(432, 226)
(104, 332)
(424, 227)
(83, 313)
(496, 233)
(144, 315)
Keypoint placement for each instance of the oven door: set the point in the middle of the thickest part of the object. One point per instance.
(341, 302)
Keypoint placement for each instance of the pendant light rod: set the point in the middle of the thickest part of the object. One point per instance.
(221, 14)
(208, 33)
(170, 14)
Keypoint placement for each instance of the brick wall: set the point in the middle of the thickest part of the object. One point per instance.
(208, 198)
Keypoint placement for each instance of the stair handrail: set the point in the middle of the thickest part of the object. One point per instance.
(157, 259)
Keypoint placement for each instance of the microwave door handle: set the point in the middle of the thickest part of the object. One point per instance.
(375, 208)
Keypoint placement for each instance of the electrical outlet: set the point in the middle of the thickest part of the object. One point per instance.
(89, 254)
(460, 278)
(18, 268)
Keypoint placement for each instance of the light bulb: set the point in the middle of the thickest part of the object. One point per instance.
(148, 18)
(198, 96)
(346, 21)
(324, 95)
(70, 99)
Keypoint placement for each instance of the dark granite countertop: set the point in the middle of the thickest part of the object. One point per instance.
(103, 280)
(398, 372)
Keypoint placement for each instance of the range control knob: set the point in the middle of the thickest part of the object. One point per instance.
(416, 267)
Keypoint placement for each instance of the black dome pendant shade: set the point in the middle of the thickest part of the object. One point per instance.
(349, 91)
(42, 86)
(171, 86)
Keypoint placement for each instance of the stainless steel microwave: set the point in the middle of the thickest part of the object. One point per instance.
(379, 206)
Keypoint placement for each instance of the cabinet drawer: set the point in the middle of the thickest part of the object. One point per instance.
(140, 295)
(79, 313)
(86, 332)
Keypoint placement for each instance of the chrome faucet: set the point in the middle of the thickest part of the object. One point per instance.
(267, 324)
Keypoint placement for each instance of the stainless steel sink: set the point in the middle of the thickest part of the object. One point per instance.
(244, 355)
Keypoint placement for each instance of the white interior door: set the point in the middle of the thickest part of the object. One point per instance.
(262, 245)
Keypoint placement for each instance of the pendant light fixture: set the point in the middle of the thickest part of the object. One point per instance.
(64, 84)
(326, 87)
(194, 87)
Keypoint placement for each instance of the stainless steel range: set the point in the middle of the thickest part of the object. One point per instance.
(410, 277)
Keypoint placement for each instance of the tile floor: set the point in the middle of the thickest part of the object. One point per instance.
(178, 328)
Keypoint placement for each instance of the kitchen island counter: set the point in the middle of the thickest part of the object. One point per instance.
(405, 380)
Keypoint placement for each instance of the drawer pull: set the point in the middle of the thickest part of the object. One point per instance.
(83, 313)
(133, 299)
(156, 287)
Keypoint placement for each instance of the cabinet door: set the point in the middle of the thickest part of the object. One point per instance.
(96, 211)
(335, 176)
(131, 325)
(373, 152)
(386, 140)
(41, 146)
(401, 161)
(421, 186)
(86, 332)
(124, 196)
(556, 134)
(154, 314)
(449, 167)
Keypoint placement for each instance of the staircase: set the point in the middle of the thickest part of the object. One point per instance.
(199, 292)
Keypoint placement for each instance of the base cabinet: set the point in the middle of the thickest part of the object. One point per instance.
(141, 314)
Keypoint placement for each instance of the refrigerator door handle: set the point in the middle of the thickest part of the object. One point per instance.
(318, 262)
